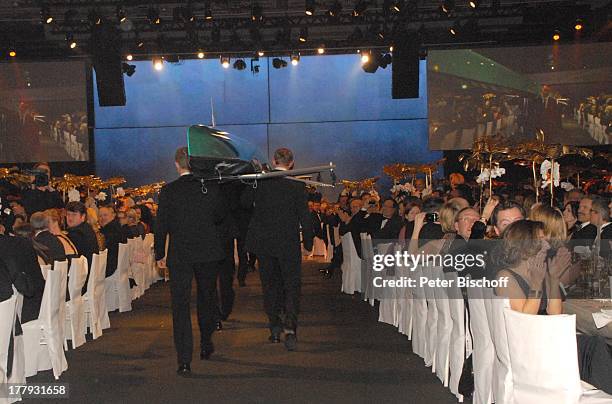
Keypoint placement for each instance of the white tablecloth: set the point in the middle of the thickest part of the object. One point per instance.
(584, 309)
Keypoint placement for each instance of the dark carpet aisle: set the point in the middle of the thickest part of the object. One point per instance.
(344, 355)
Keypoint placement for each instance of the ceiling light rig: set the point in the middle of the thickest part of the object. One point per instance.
(360, 8)
(256, 13)
(278, 63)
(295, 58)
(153, 16)
(335, 9)
(225, 61)
(239, 64)
(447, 6)
(310, 7)
(303, 37)
(45, 14)
(121, 13)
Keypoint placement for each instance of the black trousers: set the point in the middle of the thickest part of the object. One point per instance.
(226, 282)
(281, 280)
(181, 275)
(245, 259)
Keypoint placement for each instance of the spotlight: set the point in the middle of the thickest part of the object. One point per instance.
(303, 34)
(335, 9)
(556, 36)
(45, 14)
(578, 25)
(200, 55)
(256, 12)
(140, 43)
(447, 6)
(370, 62)
(474, 3)
(128, 69)
(309, 9)
(129, 57)
(278, 63)
(360, 8)
(12, 53)
(94, 17)
(454, 29)
(365, 57)
(70, 40)
(295, 59)
(240, 64)
(225, 62)
(385, 60)
(207, 11)
(158, 63)
(396, 6)
(121, 13)
(321, 50)
(260, 53)
(153, 16)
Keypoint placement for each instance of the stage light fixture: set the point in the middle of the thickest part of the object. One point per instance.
(556, 36)
(94, 17)
(295, 59)
(321, 50)
(335, 9)
(129, 57)
(455, 28)
(278, 63)
(360, 8)
(578, 25)
(447, 6)
(70, 40)
(225, 62)
(45, 14)
(260, 53)
(309, 7)
(121, 13)
(385, 60)
(370, 63)
(158, 63)
(303, 34)
(256, 12)
(396, 6)
(240, 64)
(200, 55)
(140, 43)
(12, 53)
(474, 3)
(391, 48)
(207, 11)
(128, 69)
(153, 16)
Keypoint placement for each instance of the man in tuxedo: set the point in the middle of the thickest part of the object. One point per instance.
(113, 235)
(586, 232)
(81, 234)
(355, 223)
(42, 235)
(600, 218)
(387, 224)
(41, 197)
(317, 221)
(189, 213)
(279, 209)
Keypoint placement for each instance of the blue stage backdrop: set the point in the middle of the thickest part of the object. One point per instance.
(325, 109)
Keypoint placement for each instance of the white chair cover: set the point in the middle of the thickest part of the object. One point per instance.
(97, 315)
(387, 306)
(137, 268)
(319, 249)
(147, 246)
(18, 371)
(100, 291)
(8, 313)
(419, 318)
(351, 266)
(431, 324)
(544, 358)
(367, 254)
(75, 318)
(44, 337)
(483, 354)
(502, 371)
(459, 341)
(445, 326)
(118, 295)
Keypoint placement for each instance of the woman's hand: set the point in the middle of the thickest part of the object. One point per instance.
(536, 270)
(489, 207)
(559, 263)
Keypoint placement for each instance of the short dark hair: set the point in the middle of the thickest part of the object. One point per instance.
(395, 205)
(109, 207)
(283, 156)
(600, 204)
(506, 205)
(181, 157)
(76, 207)
(432, 205)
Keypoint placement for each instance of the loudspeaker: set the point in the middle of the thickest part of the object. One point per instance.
(107, 64)
(405, 68)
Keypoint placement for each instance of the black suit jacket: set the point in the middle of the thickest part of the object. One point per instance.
(316, 224)
(112, 237)
(35, 200)
(54, 245)
(584, 237)
(390, 231)
(84, 240)
(190, 217)
(279, 209)
(606, 238)
(20, 257)
(357, 225)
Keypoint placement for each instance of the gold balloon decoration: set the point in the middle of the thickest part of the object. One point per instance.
(363, 185)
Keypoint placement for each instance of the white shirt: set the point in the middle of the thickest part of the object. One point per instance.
(186, 173)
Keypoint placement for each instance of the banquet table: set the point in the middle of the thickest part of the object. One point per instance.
(584, 309)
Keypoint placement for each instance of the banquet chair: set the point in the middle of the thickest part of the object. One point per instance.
(351, 266)
(544, 360)
(460, 345)
(419, 320)
(444, 329)
(137, 268)
(117, 286)
(95, 298)
(44, 337)
(18, 371)
(75, 314)
(405, 302)
(319, 249)
(150, 260)
(502, 371)
(387, 296)
(8, 312)
(431, 323)
(329, 253)
(367, 254)
(483, 354)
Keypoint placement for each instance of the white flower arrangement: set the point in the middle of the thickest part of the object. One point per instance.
(426, 191)
(74, 195)
(567, 186)
(498, 172)
(484, 176)
(120, 191)
(407, 188)
(101, 196)
(545, 171)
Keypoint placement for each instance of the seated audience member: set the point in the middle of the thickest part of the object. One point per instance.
(600, 218)
(355, 223)
(570, 216)
(522, 259)
(92, 219)
(586, 233)
(42, 235)
(55, 228)
(385, 225)
(146, 217)
(504, 214)
(81, 233)
(111, 229)
(134, 227)
(42, 252)
(21, 260)
(412, 206)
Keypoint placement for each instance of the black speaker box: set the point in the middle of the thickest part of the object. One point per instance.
(405, 68)
(107, 64)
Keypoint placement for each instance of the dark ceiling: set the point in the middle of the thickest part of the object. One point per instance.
(275, 26)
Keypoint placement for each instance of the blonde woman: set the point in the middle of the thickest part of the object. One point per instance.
(55, 228)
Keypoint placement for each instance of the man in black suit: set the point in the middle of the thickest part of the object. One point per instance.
(387, 224)
(586, 233)
(41, 197)
(600, 218)
(113, 235)
(355, 223)
(189, 213)
(42, 235)
(81, 234)
(280, 208)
